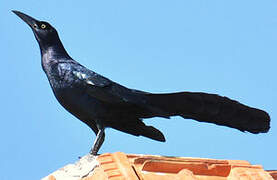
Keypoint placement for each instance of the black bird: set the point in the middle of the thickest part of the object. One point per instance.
(101, 103)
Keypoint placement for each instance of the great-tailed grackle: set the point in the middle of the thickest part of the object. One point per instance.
(100, 102)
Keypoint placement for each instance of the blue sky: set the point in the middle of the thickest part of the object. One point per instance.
(223, 47)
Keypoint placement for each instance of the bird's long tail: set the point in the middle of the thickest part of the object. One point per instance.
(212, 108)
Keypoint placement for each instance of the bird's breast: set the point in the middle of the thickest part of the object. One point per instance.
(77, 102)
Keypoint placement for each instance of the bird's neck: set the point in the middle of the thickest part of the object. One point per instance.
(54, 50)
(51, 53)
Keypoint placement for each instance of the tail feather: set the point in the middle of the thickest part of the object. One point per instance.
(211, 108)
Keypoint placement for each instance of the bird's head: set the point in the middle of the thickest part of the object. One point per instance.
(45, 34)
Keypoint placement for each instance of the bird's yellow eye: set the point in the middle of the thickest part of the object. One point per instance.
(43, 26)
(35, 25)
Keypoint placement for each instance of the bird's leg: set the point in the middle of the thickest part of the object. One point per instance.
(98, 142)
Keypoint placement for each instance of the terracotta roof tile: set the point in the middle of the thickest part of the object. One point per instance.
(121, 166)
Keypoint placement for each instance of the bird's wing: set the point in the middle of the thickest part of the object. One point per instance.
(108, 91)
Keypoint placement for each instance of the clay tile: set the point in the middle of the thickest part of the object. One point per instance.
(121, 166)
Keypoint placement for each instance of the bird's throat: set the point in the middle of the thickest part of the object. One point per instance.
(53, 51)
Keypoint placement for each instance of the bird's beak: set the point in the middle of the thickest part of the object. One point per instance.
(32, 22)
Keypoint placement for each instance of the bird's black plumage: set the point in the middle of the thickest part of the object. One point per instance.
(100, 102)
